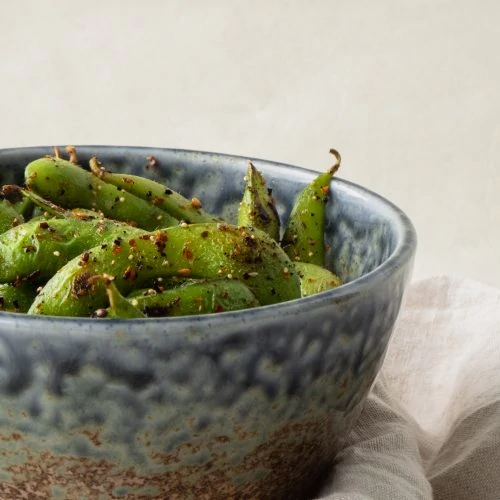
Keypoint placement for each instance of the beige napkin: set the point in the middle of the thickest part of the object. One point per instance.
(431, 426)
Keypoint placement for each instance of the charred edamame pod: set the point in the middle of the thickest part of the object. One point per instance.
(16, 298)
(70, 186)
(119, 307)
(155, 194)
(201, 297)
(303, 239)
(35, 250)
(9, 216)
(208, 251)
(315, 279)
(258, 208)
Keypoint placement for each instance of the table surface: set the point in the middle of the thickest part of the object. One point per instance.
(407, 91)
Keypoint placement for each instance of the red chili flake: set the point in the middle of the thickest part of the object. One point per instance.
(185, 271)
(160, 239)
(116, 250)
(128, 180)
(196, 203)
(219, 308)
(84, 257)
(186, 252)
(43, 225)
(325, 189)
(132, 243)
(130, 273)
(157, 201)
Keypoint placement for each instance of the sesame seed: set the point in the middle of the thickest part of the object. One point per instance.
(134, 302)
(57, 253)
(122, 199)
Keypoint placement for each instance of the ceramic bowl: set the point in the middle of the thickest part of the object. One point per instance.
(247, 404)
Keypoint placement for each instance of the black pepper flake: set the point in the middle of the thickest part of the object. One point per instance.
(204, 234)
(43, 225)
(117, 241)
(104, 245)
(149, 194)
(168, 191)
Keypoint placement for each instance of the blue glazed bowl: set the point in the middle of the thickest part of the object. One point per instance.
(247, 404)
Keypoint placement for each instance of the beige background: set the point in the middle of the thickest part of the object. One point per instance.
(407, 90)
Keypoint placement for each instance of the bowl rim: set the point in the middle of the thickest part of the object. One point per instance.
(401, 256)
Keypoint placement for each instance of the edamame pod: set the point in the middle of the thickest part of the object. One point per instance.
(156, 194)
(315, 279)
(16, 298)
(119, 306)
(70, 186)
(303, 239)
(9, 217)
(208, 251)
(203, 297)
(257, 208)
(36, 249)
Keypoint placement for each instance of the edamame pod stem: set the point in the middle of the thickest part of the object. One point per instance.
(315, 279)
(257, 208)
(203, 297)
(303, 239)
(70, 186)
(36, 249)
(198, 250)
(156, 195)
(16, 298)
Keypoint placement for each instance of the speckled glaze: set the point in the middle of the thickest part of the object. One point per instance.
(248, 404)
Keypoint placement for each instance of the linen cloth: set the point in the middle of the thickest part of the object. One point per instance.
(431, 425)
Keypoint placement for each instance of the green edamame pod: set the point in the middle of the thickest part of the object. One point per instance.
(12, 195)
(257, 208)
(119, 306)
(208, 251)
(16, 298)
(203, 297)
(156, 194)
(303, 239)
(70, 186)
(36, 249)
(9, 217)
(315, 279)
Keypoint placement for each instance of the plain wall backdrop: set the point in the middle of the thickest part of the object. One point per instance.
(407, 90)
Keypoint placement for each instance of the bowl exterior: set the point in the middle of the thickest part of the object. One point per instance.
(248, 404)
